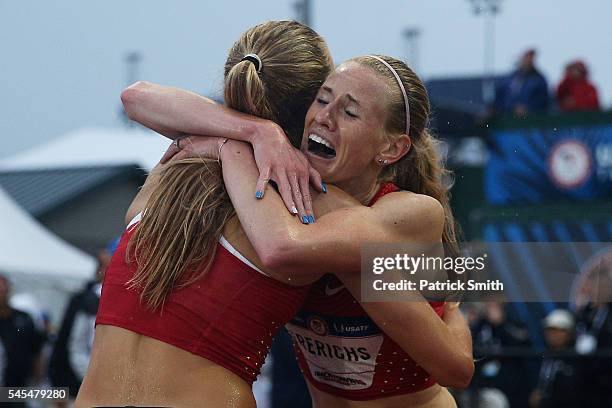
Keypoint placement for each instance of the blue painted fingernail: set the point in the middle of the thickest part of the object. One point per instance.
(312, 218)
(305, 219)
(259, 194)
(324, 187)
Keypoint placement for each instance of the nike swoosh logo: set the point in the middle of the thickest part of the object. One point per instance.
(332, 291)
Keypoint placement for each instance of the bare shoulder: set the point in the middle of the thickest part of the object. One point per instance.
(335, 199)
(417, 215)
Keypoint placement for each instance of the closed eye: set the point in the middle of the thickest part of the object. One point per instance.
(322, 101)
(351, 114)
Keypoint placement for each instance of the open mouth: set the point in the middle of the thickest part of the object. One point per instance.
(320, 147)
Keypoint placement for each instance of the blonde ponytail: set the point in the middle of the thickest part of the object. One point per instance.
(175, 242)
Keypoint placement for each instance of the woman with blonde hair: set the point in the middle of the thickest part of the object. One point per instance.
(188, 311)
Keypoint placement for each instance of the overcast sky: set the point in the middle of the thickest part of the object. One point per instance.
(62, 61)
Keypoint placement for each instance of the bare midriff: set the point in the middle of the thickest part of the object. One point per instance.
(432, 397)
(127, 368)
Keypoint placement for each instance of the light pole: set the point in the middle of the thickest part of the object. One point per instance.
(132, 65)
(488, 9)
(303, 9)
(412, 34)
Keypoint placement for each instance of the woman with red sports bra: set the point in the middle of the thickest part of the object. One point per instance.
(173, 327)
(365, 133)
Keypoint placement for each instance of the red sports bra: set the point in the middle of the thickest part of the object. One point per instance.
(342, 352)
(228, 316)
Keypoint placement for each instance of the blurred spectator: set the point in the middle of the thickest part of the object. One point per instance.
(594, 326)
(492, 398)
(593, 298)
(72, 349)
(576, 92)
(493, 330)
(21, 342)
(494, 333)
(524, 90)
(560, 379)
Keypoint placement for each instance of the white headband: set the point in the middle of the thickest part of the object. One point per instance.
(401, 85)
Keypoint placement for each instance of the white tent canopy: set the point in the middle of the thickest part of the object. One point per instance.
(29, 248)
(93, 147)
(38, 262)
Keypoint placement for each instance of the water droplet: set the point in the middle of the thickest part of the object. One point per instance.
(401, 378)
(395, 353)
(415, 374)
(385, 381)
(388, 371)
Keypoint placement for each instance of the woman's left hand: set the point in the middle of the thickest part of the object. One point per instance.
(278, 161)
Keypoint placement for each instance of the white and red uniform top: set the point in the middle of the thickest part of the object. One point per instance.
(342, 352)
(228, 316)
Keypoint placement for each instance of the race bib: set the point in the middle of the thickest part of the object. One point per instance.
(339, 351)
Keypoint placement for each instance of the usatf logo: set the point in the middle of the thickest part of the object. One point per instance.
(317, 325)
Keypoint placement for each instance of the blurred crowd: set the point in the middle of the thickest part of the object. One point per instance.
(574, 370)
(33, 353)
(575, 367)
(525, 90)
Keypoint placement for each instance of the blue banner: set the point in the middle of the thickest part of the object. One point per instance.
(544, 165)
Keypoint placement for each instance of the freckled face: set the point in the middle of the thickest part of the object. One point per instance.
(344, 128)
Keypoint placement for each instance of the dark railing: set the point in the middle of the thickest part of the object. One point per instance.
(525, 376)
